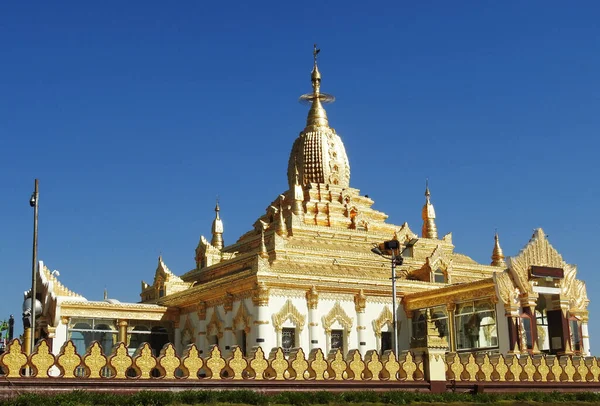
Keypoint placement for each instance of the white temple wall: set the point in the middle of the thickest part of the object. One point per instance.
(60, 337)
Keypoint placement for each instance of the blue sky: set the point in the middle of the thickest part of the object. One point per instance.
(136, 115)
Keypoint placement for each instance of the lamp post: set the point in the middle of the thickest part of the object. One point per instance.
(392, 247)
(33, 202)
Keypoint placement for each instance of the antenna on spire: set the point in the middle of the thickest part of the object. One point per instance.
(315, 53)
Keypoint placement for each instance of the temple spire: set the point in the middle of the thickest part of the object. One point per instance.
(298, 195)
(429, 229)
(497, 254)
(217, 229)
(317, 117)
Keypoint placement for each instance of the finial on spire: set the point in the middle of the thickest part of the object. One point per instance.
(497, 254)
(317, 117)
(429, 229)
(105, 294)
(217, 229)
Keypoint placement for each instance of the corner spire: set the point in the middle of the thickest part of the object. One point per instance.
(429, 229)
(317, 117)
(217, 229)
(497, 254)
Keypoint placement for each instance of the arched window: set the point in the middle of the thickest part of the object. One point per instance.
(439, 276)
(575, 331)
(475, 325)
(526, 331)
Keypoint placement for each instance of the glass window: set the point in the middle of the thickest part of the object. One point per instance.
(386, 341)
(439, 316)
(574, 328)
(85, 331)
(288, 339)
(337, 339)
(439, 276)
(476, 325)
(419, 325)
(526, 321)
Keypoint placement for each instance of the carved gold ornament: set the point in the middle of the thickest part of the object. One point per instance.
(215, 363)
(120, 361)
(259, 364)
(42, 360)
(168, 362)
(356, 364)
(14, 359)
(145, 362)
(278, 363)
(94, 360)
(338, 365)
(338, 314)
(68, 360)
(237, 363)
(288, 311)
(318, 364)
(298, 363)
(191, 362)
(374, 365)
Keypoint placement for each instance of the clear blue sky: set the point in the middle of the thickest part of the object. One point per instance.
(135, 115)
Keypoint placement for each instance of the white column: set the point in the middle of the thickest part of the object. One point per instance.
(201, 342)
(228, 330)
(586, 339)
(312, 301)
(360, 303)
(263, 335)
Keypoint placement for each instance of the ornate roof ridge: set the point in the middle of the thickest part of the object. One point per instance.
(57, 287)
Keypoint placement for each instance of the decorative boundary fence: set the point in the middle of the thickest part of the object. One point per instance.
(120, 365)
(525, 368)
(119, 372)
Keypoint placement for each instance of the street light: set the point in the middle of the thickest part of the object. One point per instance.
(33, 202)
(392, 246)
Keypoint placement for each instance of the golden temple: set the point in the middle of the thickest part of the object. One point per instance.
(305, 277)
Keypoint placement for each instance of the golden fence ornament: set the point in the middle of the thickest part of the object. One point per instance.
(191, 362)
(456, 367)
(259, 363)
(569, 369)
(501, 368)
(409, 367)
(357, 366)
(145, 362)
(338, 365)
(595, 369)
(168, 362)
(374, 365)
(237, 363)
(557, 370)
(543, 369)
(41, 360)
(529, 369)
(472, 368)
(515, 369)
(68, 360)
(486, 369)
(582, 370)
(215, 363)
(14, 359)
(278, 363)
(317, 363)
(298, 363)
(120, 361)
(391, 365)
(94, 361)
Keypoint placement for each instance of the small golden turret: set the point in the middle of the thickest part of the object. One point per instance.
(298, 196)
(217, 230)
(497, 255)
(429, 229)
(282, 226)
